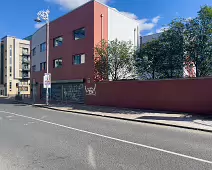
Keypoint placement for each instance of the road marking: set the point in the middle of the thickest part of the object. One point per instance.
(91, 157)
(43, 117)
(112, 138)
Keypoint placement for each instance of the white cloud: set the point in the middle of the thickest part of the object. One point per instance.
(156, 19)
(189, 18)
(130, 15)
(144, 23)
(162, 29)
(150, 33)
(72, 4)
(39, 25)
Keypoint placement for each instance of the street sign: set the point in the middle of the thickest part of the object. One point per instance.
(47, 80)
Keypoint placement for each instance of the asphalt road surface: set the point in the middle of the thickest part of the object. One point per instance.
(36, 139)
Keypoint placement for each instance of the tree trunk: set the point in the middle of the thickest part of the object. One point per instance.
(196, 64)
(153, 74)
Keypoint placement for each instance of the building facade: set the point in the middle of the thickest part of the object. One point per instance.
(14, 67)
(72, 41)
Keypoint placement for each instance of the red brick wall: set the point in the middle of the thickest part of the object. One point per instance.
(188, 95)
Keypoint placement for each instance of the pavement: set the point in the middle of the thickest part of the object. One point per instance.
(181, 120)
(34, 138)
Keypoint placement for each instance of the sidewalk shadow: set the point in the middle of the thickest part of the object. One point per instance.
(10, 101)
(104, 109)
(18, 104)
(189, 117)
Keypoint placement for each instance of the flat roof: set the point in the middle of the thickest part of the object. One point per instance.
(84, 5)
(8, 36)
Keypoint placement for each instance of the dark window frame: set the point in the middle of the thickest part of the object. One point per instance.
(41, 49)
(58, 38)
(73, 60)
(42, 66)
(11, 50)
(33, 68)
(10, 86)
(54, 66)
(27, 50)
(34, 51)
(74, 33)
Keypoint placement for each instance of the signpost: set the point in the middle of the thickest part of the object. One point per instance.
(47, 81)
(47, 85)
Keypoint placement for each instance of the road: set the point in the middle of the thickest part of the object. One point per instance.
(36, 139)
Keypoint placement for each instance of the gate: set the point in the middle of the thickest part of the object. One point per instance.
(66, 92)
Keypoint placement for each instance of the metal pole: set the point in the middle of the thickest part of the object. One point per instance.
(44, 15)
(47, 59)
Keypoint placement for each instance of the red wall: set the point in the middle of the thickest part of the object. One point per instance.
(99, 10)
(64, 26)
(89, 17)
(188, 95)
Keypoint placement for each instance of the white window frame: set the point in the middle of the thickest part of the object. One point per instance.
(82, 59)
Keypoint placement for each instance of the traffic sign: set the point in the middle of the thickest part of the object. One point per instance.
(47, 80)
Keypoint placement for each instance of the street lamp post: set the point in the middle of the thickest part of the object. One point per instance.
(44, 15)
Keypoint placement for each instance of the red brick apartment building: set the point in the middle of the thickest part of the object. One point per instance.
(72, 41)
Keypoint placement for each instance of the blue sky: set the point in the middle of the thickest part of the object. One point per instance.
(17, 15)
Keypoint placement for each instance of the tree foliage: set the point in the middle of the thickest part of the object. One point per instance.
(148, 60)
(114, 60)
(198, 41)
(101, 61)
(162, 58)
(186, 44)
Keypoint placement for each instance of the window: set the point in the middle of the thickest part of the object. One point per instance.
(79, 34)
(57, 63)
(25, 51)
(43, 47)
(25, 75)
(79, 59)
(34, 51)
(23, 82)
(10, 60)
(58, 41)
(10, 86)
(23, 88)
(10, 69)
(43, 66)
(11, 51)
(34, 68)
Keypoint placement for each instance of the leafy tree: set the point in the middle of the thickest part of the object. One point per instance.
(148, 60)
(163, 58)
(172, 50)
(114, 59)
(186, 44)
(198, 41)
(101, 61)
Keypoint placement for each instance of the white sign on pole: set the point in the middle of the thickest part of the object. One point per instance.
(47, 80)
